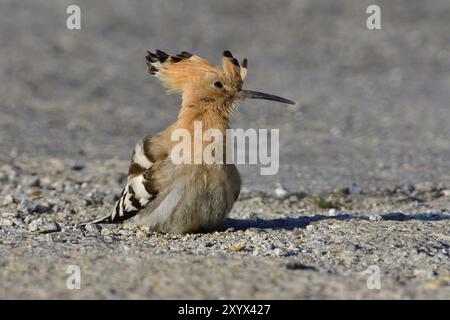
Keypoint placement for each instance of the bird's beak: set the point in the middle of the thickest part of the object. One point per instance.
(250, 94)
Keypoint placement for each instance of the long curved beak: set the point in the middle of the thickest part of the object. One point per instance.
(250, 94)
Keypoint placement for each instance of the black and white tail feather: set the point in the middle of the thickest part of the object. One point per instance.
(138, 191)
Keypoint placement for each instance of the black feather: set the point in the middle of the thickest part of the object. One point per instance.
(162, 56)
(185, 54)
(227, 54)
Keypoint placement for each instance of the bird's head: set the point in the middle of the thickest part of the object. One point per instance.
(201, 83)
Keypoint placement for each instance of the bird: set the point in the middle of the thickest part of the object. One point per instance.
(180, 198)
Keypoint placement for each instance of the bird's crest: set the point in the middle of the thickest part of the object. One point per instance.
(203, 84)
(179, 72)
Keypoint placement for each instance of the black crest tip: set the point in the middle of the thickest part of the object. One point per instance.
(151, 57)
(162, 56)
(227, 54)
(185, 54)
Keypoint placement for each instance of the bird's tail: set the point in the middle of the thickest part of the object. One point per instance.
(105, 219)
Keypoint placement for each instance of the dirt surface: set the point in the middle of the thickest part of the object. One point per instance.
(364, 171)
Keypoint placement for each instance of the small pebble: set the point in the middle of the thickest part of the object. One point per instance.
(32, 181)
(42, 226)
(141, 234)
(106, 232)
(445, 193)
(6, 222)
(8, 200)
(77, 167)
(253, 216)
(10, 214)
(409, 187)
(280, 192)
(375, 217)
(92, 227)
(332, 212)
(13, 177)
(24, 206)
(278, 252)
(39, 208)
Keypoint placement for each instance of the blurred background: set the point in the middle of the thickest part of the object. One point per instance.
(373, 105)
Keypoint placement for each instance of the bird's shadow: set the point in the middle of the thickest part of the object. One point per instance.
(302, 222)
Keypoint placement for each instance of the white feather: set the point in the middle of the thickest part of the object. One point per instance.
(140, 157)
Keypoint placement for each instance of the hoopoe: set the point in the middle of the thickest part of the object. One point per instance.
(186, 198)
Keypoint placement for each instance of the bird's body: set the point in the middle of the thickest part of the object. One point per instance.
(173, 197)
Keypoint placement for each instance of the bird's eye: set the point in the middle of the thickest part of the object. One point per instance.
(218, 84)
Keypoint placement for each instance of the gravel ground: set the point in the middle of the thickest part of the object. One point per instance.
(277, 245)
(364, 175)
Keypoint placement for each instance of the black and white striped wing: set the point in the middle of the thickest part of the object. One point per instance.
(139, 190)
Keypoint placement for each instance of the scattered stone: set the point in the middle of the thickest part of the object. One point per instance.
(354, 189)
(32, 181)
(145, 229)
(425, 187)
(25, 206)
(445, 193)
(263, 229)
(56, 164)
(253, 231)
(409, 187)
(280, 192)
(278, 252)
(237, 247)
(93, 228)
(39, 208)
(141, 234)
(106, 232)
(8, 200)
(18, 221)
(42, 226)
(6, 222)
(130, 226)
(332, 212)
(253, 216)
(10, 215)
(13, 177)
(375, 217)
(78, 167)
(350, 247)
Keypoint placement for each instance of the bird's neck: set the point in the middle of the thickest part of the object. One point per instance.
(209, 117)
(201, 126)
